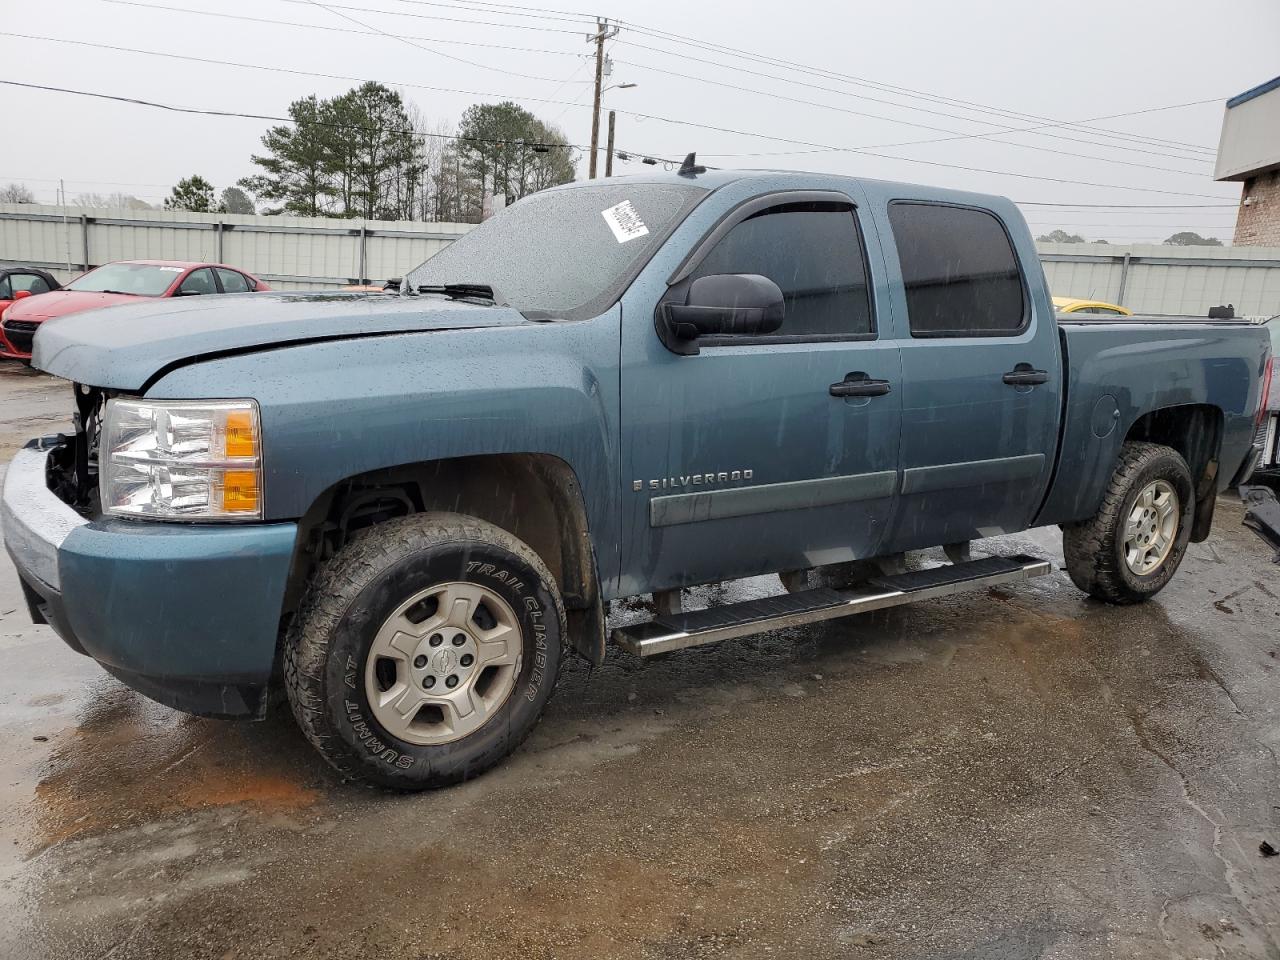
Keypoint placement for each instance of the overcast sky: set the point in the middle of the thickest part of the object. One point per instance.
(1048, 62)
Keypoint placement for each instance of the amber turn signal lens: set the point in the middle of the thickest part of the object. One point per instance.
(241, 439)
(240, 491)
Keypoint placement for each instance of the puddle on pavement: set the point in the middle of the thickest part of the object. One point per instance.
(129, 761)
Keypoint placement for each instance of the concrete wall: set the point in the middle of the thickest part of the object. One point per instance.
(287, 252)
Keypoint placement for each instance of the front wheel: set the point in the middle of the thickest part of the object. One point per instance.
(425, 651)
(1131, 548)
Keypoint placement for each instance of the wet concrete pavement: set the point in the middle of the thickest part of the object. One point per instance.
(1016, 773)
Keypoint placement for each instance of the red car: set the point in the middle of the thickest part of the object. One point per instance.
(122, 282)
(18, 282)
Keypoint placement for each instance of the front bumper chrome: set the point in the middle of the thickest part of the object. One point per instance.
(35, 523)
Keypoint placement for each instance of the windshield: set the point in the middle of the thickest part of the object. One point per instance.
(140, 279)
(563, 252)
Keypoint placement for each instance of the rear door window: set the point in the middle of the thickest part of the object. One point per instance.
(814, 253)
(198, 281)
(959, 269)
(232, 282)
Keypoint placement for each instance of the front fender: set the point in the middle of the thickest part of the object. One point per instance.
(338, 409)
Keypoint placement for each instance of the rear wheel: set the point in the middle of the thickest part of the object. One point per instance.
(1131, 548)
(425, 651)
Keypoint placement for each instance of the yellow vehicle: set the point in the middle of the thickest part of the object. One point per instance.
(1097, 308)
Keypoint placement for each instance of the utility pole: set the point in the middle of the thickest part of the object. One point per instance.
(608, 155)
(603, 32)
(66, 229)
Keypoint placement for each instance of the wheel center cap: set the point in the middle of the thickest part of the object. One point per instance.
(444, 661)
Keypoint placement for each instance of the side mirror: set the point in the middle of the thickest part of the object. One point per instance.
(723, 304)
(21, 294)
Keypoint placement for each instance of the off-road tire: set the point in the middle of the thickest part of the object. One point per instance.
(1094, 548)
(350, 598)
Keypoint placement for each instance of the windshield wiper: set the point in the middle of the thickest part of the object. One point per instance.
(459, 291)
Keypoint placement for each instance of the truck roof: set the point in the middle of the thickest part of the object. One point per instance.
(713, 179)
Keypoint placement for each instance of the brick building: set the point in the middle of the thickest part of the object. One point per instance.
(1249, 151)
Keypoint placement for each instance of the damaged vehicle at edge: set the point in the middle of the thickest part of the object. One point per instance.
(409, 510)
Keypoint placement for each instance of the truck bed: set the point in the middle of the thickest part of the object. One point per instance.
(1116, 368)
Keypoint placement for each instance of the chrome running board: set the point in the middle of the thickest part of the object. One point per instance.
(675, 631)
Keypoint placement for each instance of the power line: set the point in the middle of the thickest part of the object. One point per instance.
(211, 112)
(858, 113)
(271, 69)
(630, 113)
(1128, 226)
(472, 23)
(955, 134)
(371, 31)
(554, 14)
(417, 46)
(204, 111)
(254, 66)
(974, 106)
(1127, 206)
(1108, 116)
(316, 26)
(545, 13)
(1034, 130)
(861, 151)
(1205, 214)
(1001, 133)
(908, 92)
(502, 8)
(584, 21)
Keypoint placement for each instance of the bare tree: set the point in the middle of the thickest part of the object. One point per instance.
(436, 196)
(120, 201)
(16, 193)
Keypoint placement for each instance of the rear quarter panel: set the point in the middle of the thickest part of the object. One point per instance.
(1117, 372)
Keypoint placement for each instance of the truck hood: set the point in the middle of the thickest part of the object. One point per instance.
(124, 347)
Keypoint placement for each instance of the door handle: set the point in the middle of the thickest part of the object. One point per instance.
(859, 385)
(1024, 375)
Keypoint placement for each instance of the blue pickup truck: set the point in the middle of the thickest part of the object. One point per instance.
(409, 511)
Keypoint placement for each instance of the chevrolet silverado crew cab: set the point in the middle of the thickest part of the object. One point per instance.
(411, 510)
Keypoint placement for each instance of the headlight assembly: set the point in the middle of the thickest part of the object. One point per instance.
(182, 460)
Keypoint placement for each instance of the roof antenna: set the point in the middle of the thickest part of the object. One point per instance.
(691, 167)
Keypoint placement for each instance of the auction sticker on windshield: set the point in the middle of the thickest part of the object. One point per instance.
(624, 220)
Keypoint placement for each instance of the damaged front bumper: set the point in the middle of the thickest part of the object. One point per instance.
(187, 614)
(35, 524)
(1262, 515)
